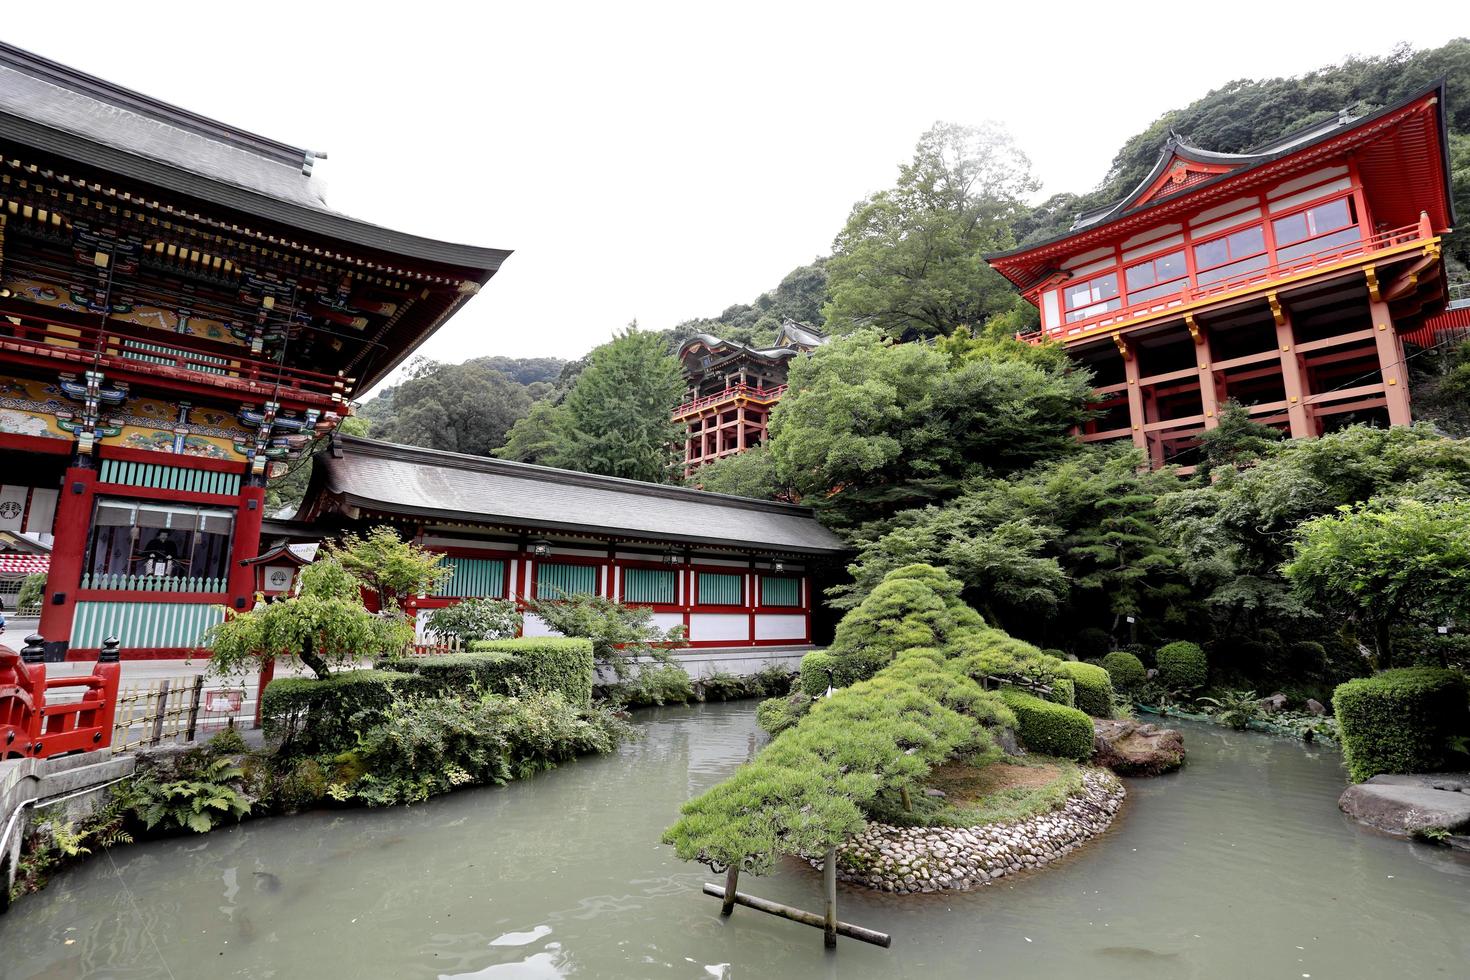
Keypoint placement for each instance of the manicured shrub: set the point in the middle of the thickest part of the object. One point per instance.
(814, 677)
(1050, 729)
(549, 663)
(1054, 652)
(1125, 670)
(1094, 688)
(1400, 721)
(1091, 643)
(1305, 658)
(308, 715)
(1182, 665)
(1062, 692)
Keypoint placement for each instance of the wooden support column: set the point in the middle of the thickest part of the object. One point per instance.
(1391, 364)
(1135, 394)
(829, 889)
(732, 880)
(1291, 373)
(1209, 398)
(68, 553)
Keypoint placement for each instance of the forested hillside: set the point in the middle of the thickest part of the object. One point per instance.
(907, 263)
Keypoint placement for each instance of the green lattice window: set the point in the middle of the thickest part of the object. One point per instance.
(777, 591)
(719, 589)
(556, 580)
(650, 585)
(474, 578)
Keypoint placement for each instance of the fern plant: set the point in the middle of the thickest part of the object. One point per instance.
(199, 804)
(1235, 708)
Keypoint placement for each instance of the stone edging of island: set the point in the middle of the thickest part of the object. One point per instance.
(913, 860)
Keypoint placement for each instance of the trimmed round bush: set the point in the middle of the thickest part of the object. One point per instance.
(1091, 643)
(1182, 665)
(1400, 721)
(845, 671)
(1050, 729)
(1125, 670)
(1063, 691)
(1093, 686)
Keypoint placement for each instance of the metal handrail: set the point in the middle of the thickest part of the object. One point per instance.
(70, 341)
(1278, 270)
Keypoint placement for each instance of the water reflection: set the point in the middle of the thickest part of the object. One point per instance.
(1239, 865)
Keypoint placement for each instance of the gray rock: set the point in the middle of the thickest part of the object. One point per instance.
(1316, 707)
(1276, 702)
(1405, 805)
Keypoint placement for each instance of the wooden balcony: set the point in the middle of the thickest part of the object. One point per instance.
(1191, 297)
(170, 358)
(765, 396)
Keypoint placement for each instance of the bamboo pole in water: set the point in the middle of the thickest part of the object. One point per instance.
(802, 916)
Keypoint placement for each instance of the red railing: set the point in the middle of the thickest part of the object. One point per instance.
(163, 354)
(747, 391)
(1279, 270)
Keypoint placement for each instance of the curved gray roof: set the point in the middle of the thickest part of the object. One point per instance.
(429, 483)
(57, 109)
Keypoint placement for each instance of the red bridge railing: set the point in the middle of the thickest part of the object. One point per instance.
(30, 727)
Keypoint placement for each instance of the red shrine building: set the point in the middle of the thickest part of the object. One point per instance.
(181, 315)
(732, 389)
(1284, 279)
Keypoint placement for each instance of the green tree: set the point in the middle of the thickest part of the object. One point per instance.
(470, 620)
(1235, 534)
(387, 566)
(538, 437)
(909, 261)
(869, 427)
(752, 473)
(462, 408)
(617, 419)
(324, 626)
(1383, 564)
(1236, 441)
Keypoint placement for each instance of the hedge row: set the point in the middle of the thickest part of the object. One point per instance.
(1400, 721)
(313, 715)
(1051, 729)
(326, 715)
(1093, 686)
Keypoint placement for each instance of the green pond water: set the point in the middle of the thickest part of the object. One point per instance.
(1238, 866)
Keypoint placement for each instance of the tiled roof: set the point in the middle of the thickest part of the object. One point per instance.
(426, 483)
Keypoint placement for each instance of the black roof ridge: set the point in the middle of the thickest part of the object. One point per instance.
(1261, 159)
(510, 467)
(65, 76)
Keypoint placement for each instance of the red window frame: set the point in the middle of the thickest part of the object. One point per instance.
(1353, 219)
(1231, 258)
(1180, 249)
(1068, 287)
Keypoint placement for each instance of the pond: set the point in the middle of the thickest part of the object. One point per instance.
(1239, 865)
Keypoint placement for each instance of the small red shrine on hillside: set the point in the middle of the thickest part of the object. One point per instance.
(1284, 279)
(732, 389)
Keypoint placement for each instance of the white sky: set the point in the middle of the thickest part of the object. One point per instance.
(663, 161)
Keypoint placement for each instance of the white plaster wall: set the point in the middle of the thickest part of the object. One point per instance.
(536, 626)
(667, 621)
(774, 627)
(719, 626)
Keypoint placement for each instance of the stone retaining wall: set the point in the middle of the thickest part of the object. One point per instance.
(909, 860)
